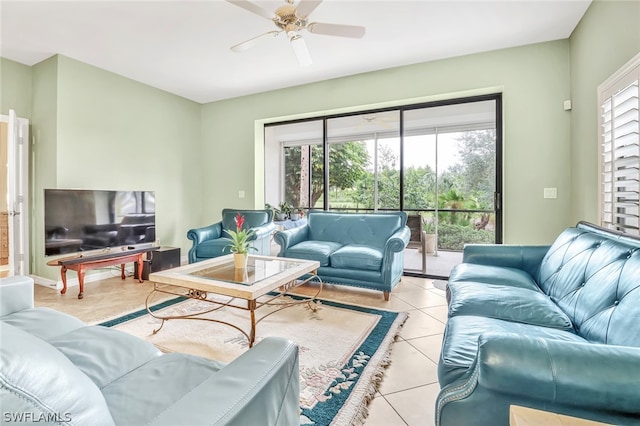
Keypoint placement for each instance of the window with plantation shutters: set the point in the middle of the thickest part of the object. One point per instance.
(619, 100)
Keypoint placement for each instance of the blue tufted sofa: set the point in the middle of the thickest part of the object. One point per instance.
(361, 250)
(213, 241)
(54, 369)
(555, 328)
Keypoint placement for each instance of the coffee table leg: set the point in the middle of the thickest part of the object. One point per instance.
(251, 305)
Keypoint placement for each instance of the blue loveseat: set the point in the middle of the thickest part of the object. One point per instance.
(555, 328)
(361, 250)
(213, 240)
(55, 369)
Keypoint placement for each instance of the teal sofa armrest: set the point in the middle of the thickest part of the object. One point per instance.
(261, 387)
(524, 257)
(291, 237)
(16, 294)
(392, 264)
(199, 235)
(594, 381)
(263, 231)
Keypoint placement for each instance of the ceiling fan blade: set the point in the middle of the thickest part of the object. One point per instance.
(248, 44)
(305, 7)
(254, 8)
(300, 49)
(339, 30)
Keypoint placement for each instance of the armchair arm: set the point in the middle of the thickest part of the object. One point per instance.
(588, 375)
(291, 237)
(526, 258)
(262, 386)
(16, 294)
(199, 235)
(594, 381)
(263, 231)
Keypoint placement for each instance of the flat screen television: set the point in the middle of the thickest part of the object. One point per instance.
(78, 220)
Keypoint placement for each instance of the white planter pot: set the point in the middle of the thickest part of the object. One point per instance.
(430, 241)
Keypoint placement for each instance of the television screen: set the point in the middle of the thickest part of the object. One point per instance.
(77, 220)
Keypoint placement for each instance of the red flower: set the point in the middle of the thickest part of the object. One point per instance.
(240, 238)
(239, 221)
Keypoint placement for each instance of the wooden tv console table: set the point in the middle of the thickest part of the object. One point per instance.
(81, 263)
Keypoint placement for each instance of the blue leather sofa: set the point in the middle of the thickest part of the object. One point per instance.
(213, 241)
(55, 369)
(555, 328)
(361, 250)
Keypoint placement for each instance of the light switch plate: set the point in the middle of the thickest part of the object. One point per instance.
(551, 193)
(240, 194)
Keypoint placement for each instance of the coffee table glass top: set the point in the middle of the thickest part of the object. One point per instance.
(257, 270)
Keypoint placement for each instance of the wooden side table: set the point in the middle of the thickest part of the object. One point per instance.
(523, 416)
(82, 263)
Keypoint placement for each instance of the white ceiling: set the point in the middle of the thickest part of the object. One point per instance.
(183, 46)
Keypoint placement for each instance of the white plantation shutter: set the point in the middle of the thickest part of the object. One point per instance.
(619, 99)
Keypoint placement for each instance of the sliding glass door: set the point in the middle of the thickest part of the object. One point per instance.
(364, 166)
(438, 162)
(450, 181)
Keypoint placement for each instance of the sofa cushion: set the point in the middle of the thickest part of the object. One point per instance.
(104, 354)
(365, 229)
(213, 248)
(592, 275)
(46, 381)
(313, 250)
(460, 341)
(357, 257)
(157, 385)
(507, 303)
(493, 275)
(252, 218)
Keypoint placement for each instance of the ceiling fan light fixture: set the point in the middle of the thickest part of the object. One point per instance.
(300, 49)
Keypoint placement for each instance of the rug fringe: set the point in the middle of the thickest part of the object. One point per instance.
(362, 411)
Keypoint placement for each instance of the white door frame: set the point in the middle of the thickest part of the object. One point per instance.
(17, 192)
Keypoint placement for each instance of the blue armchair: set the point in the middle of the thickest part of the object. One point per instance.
(212, 241)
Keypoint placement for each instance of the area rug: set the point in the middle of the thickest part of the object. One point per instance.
(344, 349)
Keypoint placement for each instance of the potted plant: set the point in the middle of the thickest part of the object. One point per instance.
(240, 243)
(297, 214)
(429, 236)
(283, 211)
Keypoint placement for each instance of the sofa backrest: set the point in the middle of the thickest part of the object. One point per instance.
(594, 277)
(252, 218)
(372, 229)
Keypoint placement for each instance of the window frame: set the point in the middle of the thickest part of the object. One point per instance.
(615, 84)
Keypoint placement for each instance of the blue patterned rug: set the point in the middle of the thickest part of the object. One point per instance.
(344, 349)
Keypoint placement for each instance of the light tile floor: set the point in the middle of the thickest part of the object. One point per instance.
(410, 384)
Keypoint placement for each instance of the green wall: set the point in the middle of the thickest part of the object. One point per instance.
(44, 155)
(607, 37)
(110, 132)
(197, 157)
(534, 81)
(15, 88)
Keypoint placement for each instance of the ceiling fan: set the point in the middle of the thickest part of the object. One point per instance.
(291, 19)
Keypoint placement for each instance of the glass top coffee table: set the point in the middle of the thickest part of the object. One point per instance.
(266, 278)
